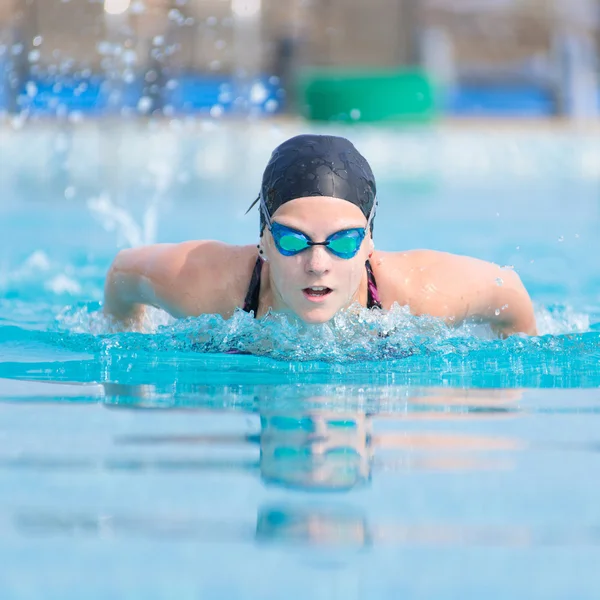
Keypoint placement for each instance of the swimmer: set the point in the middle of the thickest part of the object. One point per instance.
(316, 256)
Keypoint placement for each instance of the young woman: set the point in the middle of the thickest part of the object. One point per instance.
(316, 256)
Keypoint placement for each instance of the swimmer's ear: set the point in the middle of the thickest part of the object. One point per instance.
(261, 253)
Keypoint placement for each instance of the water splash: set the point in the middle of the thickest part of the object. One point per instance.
(116, 218)
(557, 320)
(354, 335)
(41, 275)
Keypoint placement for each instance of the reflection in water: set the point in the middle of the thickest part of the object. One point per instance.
(316, 450)
(315, 446)
(313, 527)
(289, 524)
(316, 443)
(337, 438)
(371, 399)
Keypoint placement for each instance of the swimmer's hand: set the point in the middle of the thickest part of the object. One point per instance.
(457, 288)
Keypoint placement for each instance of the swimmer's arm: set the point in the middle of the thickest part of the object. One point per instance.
(166, 276)
(137, 278)
(457, 288)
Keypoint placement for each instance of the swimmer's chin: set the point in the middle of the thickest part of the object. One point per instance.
(316, 316)
(323, 315)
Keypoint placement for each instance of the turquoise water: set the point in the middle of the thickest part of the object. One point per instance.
(329, 463)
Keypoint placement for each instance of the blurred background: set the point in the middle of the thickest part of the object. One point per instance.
(123, 120)
(332, 60)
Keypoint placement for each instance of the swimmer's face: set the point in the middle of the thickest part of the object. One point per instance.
(316, 449)
(294, 278)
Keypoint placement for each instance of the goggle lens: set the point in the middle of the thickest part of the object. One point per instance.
(344, 244)
(292, 243)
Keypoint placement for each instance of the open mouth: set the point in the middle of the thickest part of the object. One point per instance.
(317, 293)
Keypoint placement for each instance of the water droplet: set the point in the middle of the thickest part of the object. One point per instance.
(18, 121)
(172, 84)
(497, 214)
(497, 312)
(225, 97)
(128, 76)
(37, 40)
(33, 56)
(499, 281)
(69, 192)
(271, 105)
(258, 93)
(355, 114)
(129, 57)
(104, 47)
(145, 104)
(158, 40)
(138, 7)
(31, 89)
(76, 116)
(151, 76)
(518, 247)
(576, 236)
(561, 238)
(216, 111)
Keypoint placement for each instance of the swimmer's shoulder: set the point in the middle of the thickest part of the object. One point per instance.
(196, 277)
(421, 277)
(399, 275)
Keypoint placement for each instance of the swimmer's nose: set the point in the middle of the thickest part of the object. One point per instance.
(318, 260)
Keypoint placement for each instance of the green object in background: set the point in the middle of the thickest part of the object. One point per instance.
(367, 96)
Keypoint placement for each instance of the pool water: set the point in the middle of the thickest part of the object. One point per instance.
(329, 462)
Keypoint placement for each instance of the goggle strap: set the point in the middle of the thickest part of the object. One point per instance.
(265, 211)
(372, 214)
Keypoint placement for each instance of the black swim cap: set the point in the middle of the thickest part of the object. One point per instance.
(317, 165)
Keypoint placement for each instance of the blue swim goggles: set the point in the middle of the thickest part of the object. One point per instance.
(289, 242)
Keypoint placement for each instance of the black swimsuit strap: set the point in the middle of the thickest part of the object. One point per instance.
(373, 300)
(252, 297)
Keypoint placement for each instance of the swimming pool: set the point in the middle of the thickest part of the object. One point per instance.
(435, 463)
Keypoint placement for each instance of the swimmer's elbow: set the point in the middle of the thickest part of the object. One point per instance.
(138, 278)
(513, 308)
(123, 298)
